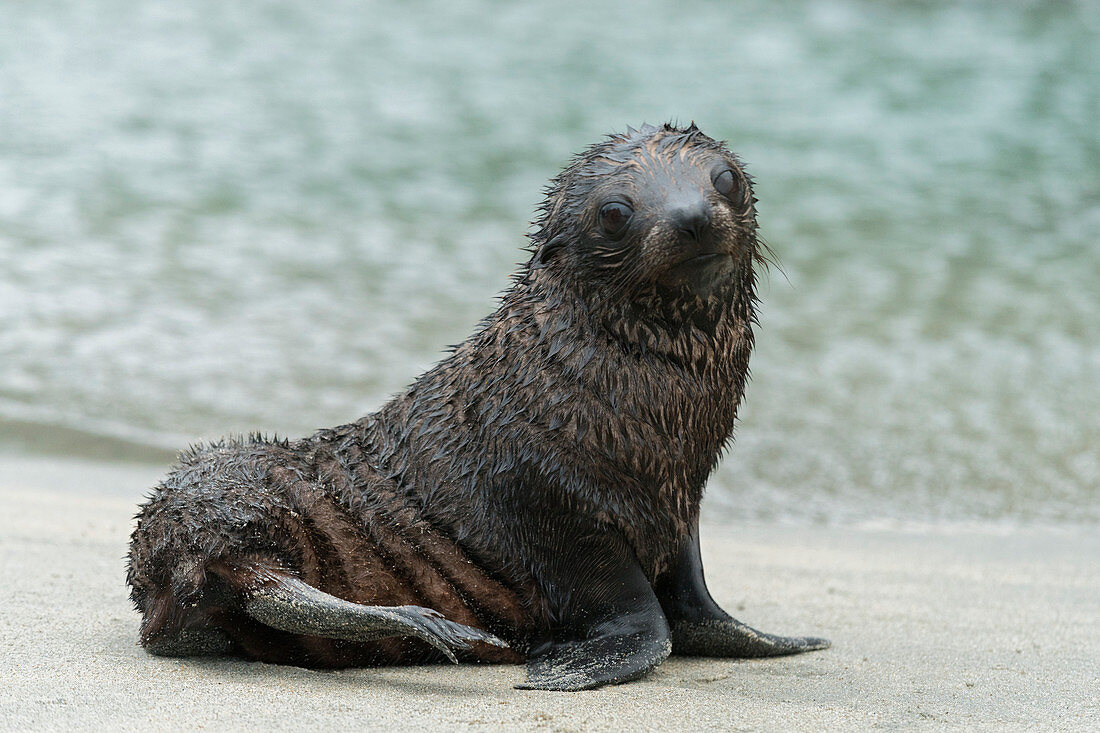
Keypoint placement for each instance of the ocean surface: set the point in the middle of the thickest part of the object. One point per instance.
(225, 217)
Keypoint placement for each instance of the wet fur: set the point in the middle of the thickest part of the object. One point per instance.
(598, 389)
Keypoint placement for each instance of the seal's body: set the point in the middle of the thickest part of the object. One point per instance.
(539, 488)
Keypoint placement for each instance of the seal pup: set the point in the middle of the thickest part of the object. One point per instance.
(534, 497)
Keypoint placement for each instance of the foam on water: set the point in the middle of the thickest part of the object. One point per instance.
(219, 218)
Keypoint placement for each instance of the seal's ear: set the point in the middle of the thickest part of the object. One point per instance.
(547, 249)
(549, 242)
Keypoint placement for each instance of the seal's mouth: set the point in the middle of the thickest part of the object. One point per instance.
(703, 261)
(700, 272)
(704, 258)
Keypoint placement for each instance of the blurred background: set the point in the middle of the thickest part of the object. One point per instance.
(224, 217)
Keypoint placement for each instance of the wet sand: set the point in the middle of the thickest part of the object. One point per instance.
(976, 627)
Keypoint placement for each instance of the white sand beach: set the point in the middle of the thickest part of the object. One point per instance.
(976, 628)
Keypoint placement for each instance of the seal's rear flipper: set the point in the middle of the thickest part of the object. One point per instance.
(283, 602)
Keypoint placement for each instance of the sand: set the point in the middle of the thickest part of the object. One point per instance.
(976, 627)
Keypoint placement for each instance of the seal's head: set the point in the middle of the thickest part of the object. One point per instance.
(656, 210)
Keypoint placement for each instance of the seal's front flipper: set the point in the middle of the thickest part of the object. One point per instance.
(700, 627)
(609, 625)
(283, 602)
(731, 638)
(609, 658)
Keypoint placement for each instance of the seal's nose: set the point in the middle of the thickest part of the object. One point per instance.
(690, 220)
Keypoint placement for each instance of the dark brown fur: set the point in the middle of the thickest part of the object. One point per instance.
(604, 386)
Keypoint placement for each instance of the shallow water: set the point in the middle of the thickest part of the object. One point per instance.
(218, 218)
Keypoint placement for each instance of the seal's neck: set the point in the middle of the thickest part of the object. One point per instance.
(677, 325)
(617, 410)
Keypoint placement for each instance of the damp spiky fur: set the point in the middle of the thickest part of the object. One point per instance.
(599, 389)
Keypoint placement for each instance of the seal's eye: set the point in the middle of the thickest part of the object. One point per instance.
(614, 217)
(725, 183)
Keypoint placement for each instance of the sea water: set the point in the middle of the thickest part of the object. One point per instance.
(225, 217)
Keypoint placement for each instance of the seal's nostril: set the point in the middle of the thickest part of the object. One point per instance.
(690, 221)
(691, 230)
